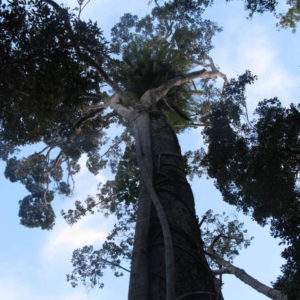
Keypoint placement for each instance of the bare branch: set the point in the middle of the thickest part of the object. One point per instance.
(222, 235)
(111, 147)
(92, 96)
(215, 69)
(57, 160)
(92, 115)
(246, 278)
(70, 175)
(215, 240)
(47, 175)
(82, 7)
(114, 264)
(192, 125)
(221, 271)
(115, 104)
(43, 150)
(154, 95)
(202, 221)
(198, 93)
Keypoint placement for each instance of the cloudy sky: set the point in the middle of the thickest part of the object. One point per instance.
(33, 263)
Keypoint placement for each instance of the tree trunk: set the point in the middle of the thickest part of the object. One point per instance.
(193, 278)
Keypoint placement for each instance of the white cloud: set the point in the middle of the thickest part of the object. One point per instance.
(91, 229)
(254, 47)
(106, 16)
(67, 238)
(15, 289)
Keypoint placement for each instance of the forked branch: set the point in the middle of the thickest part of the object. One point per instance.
(156, 94)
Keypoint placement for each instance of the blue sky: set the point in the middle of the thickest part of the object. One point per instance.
(33, 263)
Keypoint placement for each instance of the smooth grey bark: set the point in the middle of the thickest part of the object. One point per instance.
(172, 213)
(141, 126)
(246, 278)
(193, 278)
(139, 279)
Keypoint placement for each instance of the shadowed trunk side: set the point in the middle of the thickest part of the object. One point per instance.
(193, 278)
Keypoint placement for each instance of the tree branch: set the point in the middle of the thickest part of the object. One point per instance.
(57, 160)
(82, 7)
(114, 103)
(221, 271)
(214, 241)
(154, 95)
(245, 277)
(70, 174)
(202, 221)
(114, 264)
(215, 69)
(43, 150)
(47, 178)
(193, 125)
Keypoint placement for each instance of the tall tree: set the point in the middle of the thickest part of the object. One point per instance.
(256, 167)
(54, 70)
(63, 85)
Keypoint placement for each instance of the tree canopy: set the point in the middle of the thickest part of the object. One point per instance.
(256, 167)
(288, 19)
(63, 85)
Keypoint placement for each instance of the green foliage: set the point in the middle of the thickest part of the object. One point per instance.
(260, 6)
(161, 45)
(226, 237)
(292, 16)
(35, 209)
(35, 213)
(256, 167)
(253, 164)
(53, 68)
(42, 80)
(192, 160)
(147, 64)
(288, 19)
(127, 177)
(119, 198)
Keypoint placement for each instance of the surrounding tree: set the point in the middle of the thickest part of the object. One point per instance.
(63, 85)
(256, 167)
(289, 19)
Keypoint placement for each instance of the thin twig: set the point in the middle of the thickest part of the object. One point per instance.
(43, 150)
(70, 174)
(215, 240)
(82, 7)
(114, 264)
(192, 125)
(47, 178)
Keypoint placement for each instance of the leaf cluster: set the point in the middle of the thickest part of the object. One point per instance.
(225, 236)
(256, 166)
